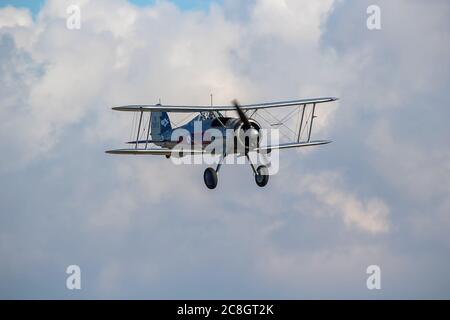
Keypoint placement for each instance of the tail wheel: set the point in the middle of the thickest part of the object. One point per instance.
(262, 176)
(210, 178)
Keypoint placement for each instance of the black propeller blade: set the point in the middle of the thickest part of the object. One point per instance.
(251, 132)
(242, 115)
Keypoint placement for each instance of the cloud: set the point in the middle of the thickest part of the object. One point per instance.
(144, 228)
(13, 17)
(302, 21)
(370, 215)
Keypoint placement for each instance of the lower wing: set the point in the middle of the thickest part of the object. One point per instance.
(293, 145)
(189, 151)
(156, 151)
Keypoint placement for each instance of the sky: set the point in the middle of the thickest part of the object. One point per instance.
(35, 5)
(145, 228)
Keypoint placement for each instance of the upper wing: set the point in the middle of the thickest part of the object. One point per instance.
(168, 108)
(293, 145)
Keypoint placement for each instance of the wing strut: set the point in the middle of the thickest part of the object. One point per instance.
(139, 129)
(311, 124)
(301, 123)
(148, 130)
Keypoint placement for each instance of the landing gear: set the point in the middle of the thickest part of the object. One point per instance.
(262, 176)
(210, 178)
(210, 175)
(261, 173)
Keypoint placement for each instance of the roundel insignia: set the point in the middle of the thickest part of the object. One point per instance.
(164, 122)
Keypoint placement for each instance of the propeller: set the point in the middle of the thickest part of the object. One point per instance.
(242, 115)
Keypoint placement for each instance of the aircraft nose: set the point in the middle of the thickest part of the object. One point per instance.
(253, 135)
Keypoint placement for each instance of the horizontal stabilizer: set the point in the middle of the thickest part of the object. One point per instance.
(146, 141)
(156, 151)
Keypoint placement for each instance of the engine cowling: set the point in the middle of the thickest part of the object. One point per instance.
(246, 138)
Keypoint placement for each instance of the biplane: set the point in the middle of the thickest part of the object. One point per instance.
(155, 135)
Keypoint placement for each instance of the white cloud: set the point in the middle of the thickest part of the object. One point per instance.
(13, 17)
(56, 87)
(369, 215)
(291, 20)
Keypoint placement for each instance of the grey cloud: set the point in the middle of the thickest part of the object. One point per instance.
(144, 228)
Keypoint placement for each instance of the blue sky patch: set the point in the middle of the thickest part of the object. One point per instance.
(35, 5)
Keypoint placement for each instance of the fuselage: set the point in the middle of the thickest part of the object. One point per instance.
(201, 131)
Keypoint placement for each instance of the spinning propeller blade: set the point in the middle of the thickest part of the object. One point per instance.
(242, 115)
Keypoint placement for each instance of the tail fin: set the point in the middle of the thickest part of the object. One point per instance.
(161, 127)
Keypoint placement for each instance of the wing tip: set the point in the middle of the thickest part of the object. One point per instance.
(111, 151)
(126, 108)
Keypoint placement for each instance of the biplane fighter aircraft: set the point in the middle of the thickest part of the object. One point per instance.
(159, 133)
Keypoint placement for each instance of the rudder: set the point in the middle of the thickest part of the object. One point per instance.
(161, 128)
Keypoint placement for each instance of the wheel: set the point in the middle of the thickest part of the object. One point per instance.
(210, 178)
(262, 176)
